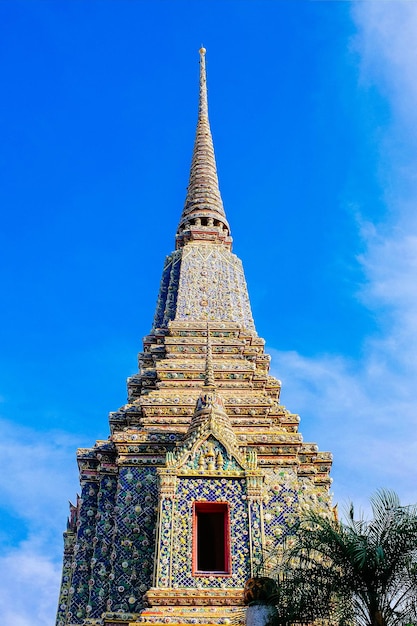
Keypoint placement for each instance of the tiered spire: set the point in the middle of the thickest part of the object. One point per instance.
(203, 217)
(202, 280)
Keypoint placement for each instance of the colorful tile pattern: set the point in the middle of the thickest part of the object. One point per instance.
(83, 552)
(190, 490)
(131, 559)
(212, 286)
(203, 282)
(102, 542)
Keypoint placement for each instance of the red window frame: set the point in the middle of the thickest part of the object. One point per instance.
(212, 507)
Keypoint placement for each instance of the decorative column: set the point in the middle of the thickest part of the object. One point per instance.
(166, 516)
(254, 480)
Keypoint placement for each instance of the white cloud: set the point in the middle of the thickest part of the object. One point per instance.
(41, 467)
(30, 586)
(41, 474)
(350, 409)
(365, 411)
(387, 45)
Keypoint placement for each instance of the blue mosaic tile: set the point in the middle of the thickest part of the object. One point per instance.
(100, 563)
(83, 552)
(228, 490)
(134, 539)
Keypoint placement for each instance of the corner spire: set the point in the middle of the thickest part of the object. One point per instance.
(203, 218)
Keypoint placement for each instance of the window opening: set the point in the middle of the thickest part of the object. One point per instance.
(211, 549)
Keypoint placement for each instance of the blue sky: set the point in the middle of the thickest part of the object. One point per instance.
(313, 108)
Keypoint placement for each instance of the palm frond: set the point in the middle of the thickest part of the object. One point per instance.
(360, 570)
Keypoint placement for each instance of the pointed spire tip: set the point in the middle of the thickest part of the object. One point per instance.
(203, 218)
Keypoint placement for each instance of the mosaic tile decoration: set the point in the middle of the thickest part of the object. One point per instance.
(232, 491)
(166, 535)
(280, 507)
(134, 539)
(212, 286)
(69, 541)
(114, 551)
(256, 542)
(223, 461)
(83, 552)
(168, 290)
(100, 563)
(285, 498)
(203, 282)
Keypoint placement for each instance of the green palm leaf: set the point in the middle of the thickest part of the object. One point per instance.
(359, 571)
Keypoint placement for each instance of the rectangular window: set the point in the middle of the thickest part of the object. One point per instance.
(211, 538)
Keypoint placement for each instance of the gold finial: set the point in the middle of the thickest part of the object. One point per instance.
(202, 51)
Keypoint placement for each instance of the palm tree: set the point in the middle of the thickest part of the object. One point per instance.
(359, 571)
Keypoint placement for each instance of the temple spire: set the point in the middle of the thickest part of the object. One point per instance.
(203, 218)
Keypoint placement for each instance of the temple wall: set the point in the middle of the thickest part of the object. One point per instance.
(64, 596)
(102, 542)
(83, 553)
(133, 550)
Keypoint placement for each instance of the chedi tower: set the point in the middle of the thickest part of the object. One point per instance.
(204, 470)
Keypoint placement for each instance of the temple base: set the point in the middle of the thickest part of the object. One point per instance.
(193, 606)
(201, 615)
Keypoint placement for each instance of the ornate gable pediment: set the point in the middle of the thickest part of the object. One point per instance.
(208, 456)
(211, 444)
